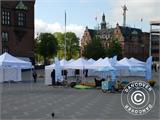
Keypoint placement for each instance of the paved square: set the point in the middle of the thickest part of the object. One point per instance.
(37, 101)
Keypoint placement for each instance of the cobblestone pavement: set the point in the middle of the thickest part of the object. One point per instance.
(36, 101)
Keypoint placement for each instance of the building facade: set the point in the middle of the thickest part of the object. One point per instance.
(17, 28)
(134, 42)
(103, 33)
(155, 40)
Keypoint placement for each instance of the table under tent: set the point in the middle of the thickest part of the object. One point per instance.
(10, 68)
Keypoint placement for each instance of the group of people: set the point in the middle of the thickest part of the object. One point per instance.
(64, 73)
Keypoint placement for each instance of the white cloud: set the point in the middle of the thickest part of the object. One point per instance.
(42, 26)
(146, 9)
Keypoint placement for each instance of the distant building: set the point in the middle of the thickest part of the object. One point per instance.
(17, 28)
(134, 42)
(155, 40)
(103, 33)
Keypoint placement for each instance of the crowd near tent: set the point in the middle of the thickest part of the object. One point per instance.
(10, 67)
(123, 67)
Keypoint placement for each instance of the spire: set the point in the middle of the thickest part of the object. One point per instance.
(103, 18)
(103, 23)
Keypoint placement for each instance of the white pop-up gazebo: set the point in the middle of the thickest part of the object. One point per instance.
(102, 65)
(80, 63)
(49, 68)
(126, 67)
(10, 67)
(123, 67)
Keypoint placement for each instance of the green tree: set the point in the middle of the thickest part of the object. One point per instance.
(94, 49)
(46, 46)
(60, 39)
(38, 58)
(72, 45)
(114, 48)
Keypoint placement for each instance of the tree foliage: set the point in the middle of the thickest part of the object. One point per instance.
(46, 46)
(94, 49)
(115, 48)
(60, 39)
(72, 45)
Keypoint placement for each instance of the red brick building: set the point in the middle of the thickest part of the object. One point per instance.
(17, 28)
(103, 33)
(134, 42)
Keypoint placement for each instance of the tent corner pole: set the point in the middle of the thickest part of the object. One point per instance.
(31, 80)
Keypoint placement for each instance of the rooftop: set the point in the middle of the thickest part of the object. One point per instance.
(155, 22)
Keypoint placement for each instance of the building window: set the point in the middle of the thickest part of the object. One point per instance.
(5, 40)
(4, 36)
(5, 18)
(21, 19)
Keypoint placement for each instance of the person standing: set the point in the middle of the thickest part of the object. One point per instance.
(65, 74)
(34, 76)
(53, 77)
(155, 67)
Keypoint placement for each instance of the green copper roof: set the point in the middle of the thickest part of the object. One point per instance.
(21, 6)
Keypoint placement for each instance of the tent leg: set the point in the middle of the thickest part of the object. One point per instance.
(31, 80)
(82, 76)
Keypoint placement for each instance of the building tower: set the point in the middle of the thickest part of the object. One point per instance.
(124, 15)
(103, 23)
(17, 28)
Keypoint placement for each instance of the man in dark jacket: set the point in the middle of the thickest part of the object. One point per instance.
(53, 77)
(34, 74)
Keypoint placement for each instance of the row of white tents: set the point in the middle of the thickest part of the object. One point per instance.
(10, 67)
(123, 67)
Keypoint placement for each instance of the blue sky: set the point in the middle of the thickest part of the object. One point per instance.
(49, 14)
(78, 11)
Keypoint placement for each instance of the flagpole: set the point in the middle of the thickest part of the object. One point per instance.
(65, 38)
(141, 23)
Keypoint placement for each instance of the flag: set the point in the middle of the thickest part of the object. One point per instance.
(114, 60)
(148, 68)
(58, 76)
(96, 18)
